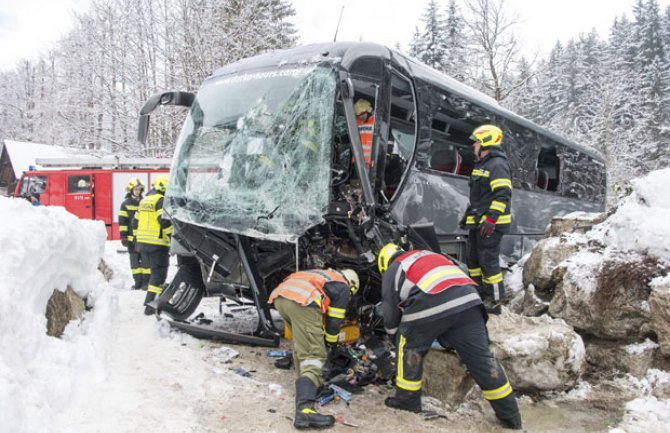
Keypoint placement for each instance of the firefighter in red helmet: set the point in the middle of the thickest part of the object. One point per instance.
(426, 297)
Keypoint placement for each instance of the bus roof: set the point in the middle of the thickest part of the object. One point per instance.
(345, 54)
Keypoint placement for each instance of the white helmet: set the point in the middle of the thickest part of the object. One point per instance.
(352, 278)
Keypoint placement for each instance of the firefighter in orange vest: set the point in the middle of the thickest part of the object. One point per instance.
(366, 123)
(152, 234)
(425, 297)
(302, 300)
(126, 216)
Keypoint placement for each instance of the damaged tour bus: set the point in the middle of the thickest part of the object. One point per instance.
(269, 176)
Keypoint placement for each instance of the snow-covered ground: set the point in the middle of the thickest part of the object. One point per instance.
(117, 370)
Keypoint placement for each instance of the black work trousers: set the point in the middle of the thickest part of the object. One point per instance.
(483, 257)
(139, 275)
(466, 332)
(157, 258)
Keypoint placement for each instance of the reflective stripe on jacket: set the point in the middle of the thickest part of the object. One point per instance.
(366, 130)
(306, 287)
(421, 286)
(148, 216)
(490, 191)
(126, 216)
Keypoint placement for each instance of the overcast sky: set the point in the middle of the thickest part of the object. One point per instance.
(28, 26)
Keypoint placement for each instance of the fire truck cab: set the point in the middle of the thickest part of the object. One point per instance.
(91, 189)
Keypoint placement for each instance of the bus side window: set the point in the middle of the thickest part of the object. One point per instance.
(402, 135)
(548, 169)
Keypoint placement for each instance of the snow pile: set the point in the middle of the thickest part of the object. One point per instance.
(640, 222)
(47, 248)
(645, 415)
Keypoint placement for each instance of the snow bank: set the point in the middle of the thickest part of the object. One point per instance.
(645, 415)
(47, 248)
(640, 222)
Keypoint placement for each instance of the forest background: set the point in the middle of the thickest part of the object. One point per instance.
(611, 94)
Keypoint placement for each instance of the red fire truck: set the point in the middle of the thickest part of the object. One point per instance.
(92, 188)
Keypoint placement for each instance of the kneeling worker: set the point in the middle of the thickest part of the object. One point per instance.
(425, 297)
(302, 299)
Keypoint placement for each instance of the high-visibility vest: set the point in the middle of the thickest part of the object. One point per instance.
(366, 130)
(149, 229)
(306, 287)
(432, 273)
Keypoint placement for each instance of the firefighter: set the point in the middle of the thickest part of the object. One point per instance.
(425, 297)
(134, 191)
(489, 214)
(302, 300)
(152, 236)
(366, 122)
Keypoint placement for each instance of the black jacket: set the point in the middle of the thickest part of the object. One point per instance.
(491, 191)
(127, 216)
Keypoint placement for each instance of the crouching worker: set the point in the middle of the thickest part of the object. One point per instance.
(425, 297)
(302, 299)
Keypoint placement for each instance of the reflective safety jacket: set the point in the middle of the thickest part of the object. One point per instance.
(366, 130)
(150, 227)
(326, 290)
(491, 192)
(127, 215)
(422, 286)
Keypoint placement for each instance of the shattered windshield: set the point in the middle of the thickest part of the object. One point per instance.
(254, 154)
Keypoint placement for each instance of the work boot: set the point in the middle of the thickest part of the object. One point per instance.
(307, 417)
(405, 400)
(513, 423)
(305, 414)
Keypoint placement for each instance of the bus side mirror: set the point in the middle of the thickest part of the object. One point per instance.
(181, 99)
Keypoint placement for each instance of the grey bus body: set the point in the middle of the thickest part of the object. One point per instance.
(269, 175)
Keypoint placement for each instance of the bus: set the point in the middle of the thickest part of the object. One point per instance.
(269, 174)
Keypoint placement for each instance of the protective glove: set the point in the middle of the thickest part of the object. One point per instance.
(487, 228)
(124, 242)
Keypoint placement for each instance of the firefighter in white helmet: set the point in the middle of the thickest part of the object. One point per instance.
(302, 300)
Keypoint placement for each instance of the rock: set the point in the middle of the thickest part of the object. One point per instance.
(532, 305)
(541, 266)
(61, 308)
(445, 377)
(576, 222)
(606, 356)
(105, 270)
(611, 396)
(607, 299)
(538, 353)
(659, 303)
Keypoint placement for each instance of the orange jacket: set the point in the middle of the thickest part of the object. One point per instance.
(365, 129)
(306, 287)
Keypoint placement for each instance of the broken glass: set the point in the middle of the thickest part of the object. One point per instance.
(254, 154)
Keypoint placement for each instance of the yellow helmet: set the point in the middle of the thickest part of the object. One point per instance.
(133, 183)
(362, 106)
(386, 254)
(161, 183)
(488, 135)
(352, 278)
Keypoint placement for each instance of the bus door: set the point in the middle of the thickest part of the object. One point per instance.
(79, 197)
